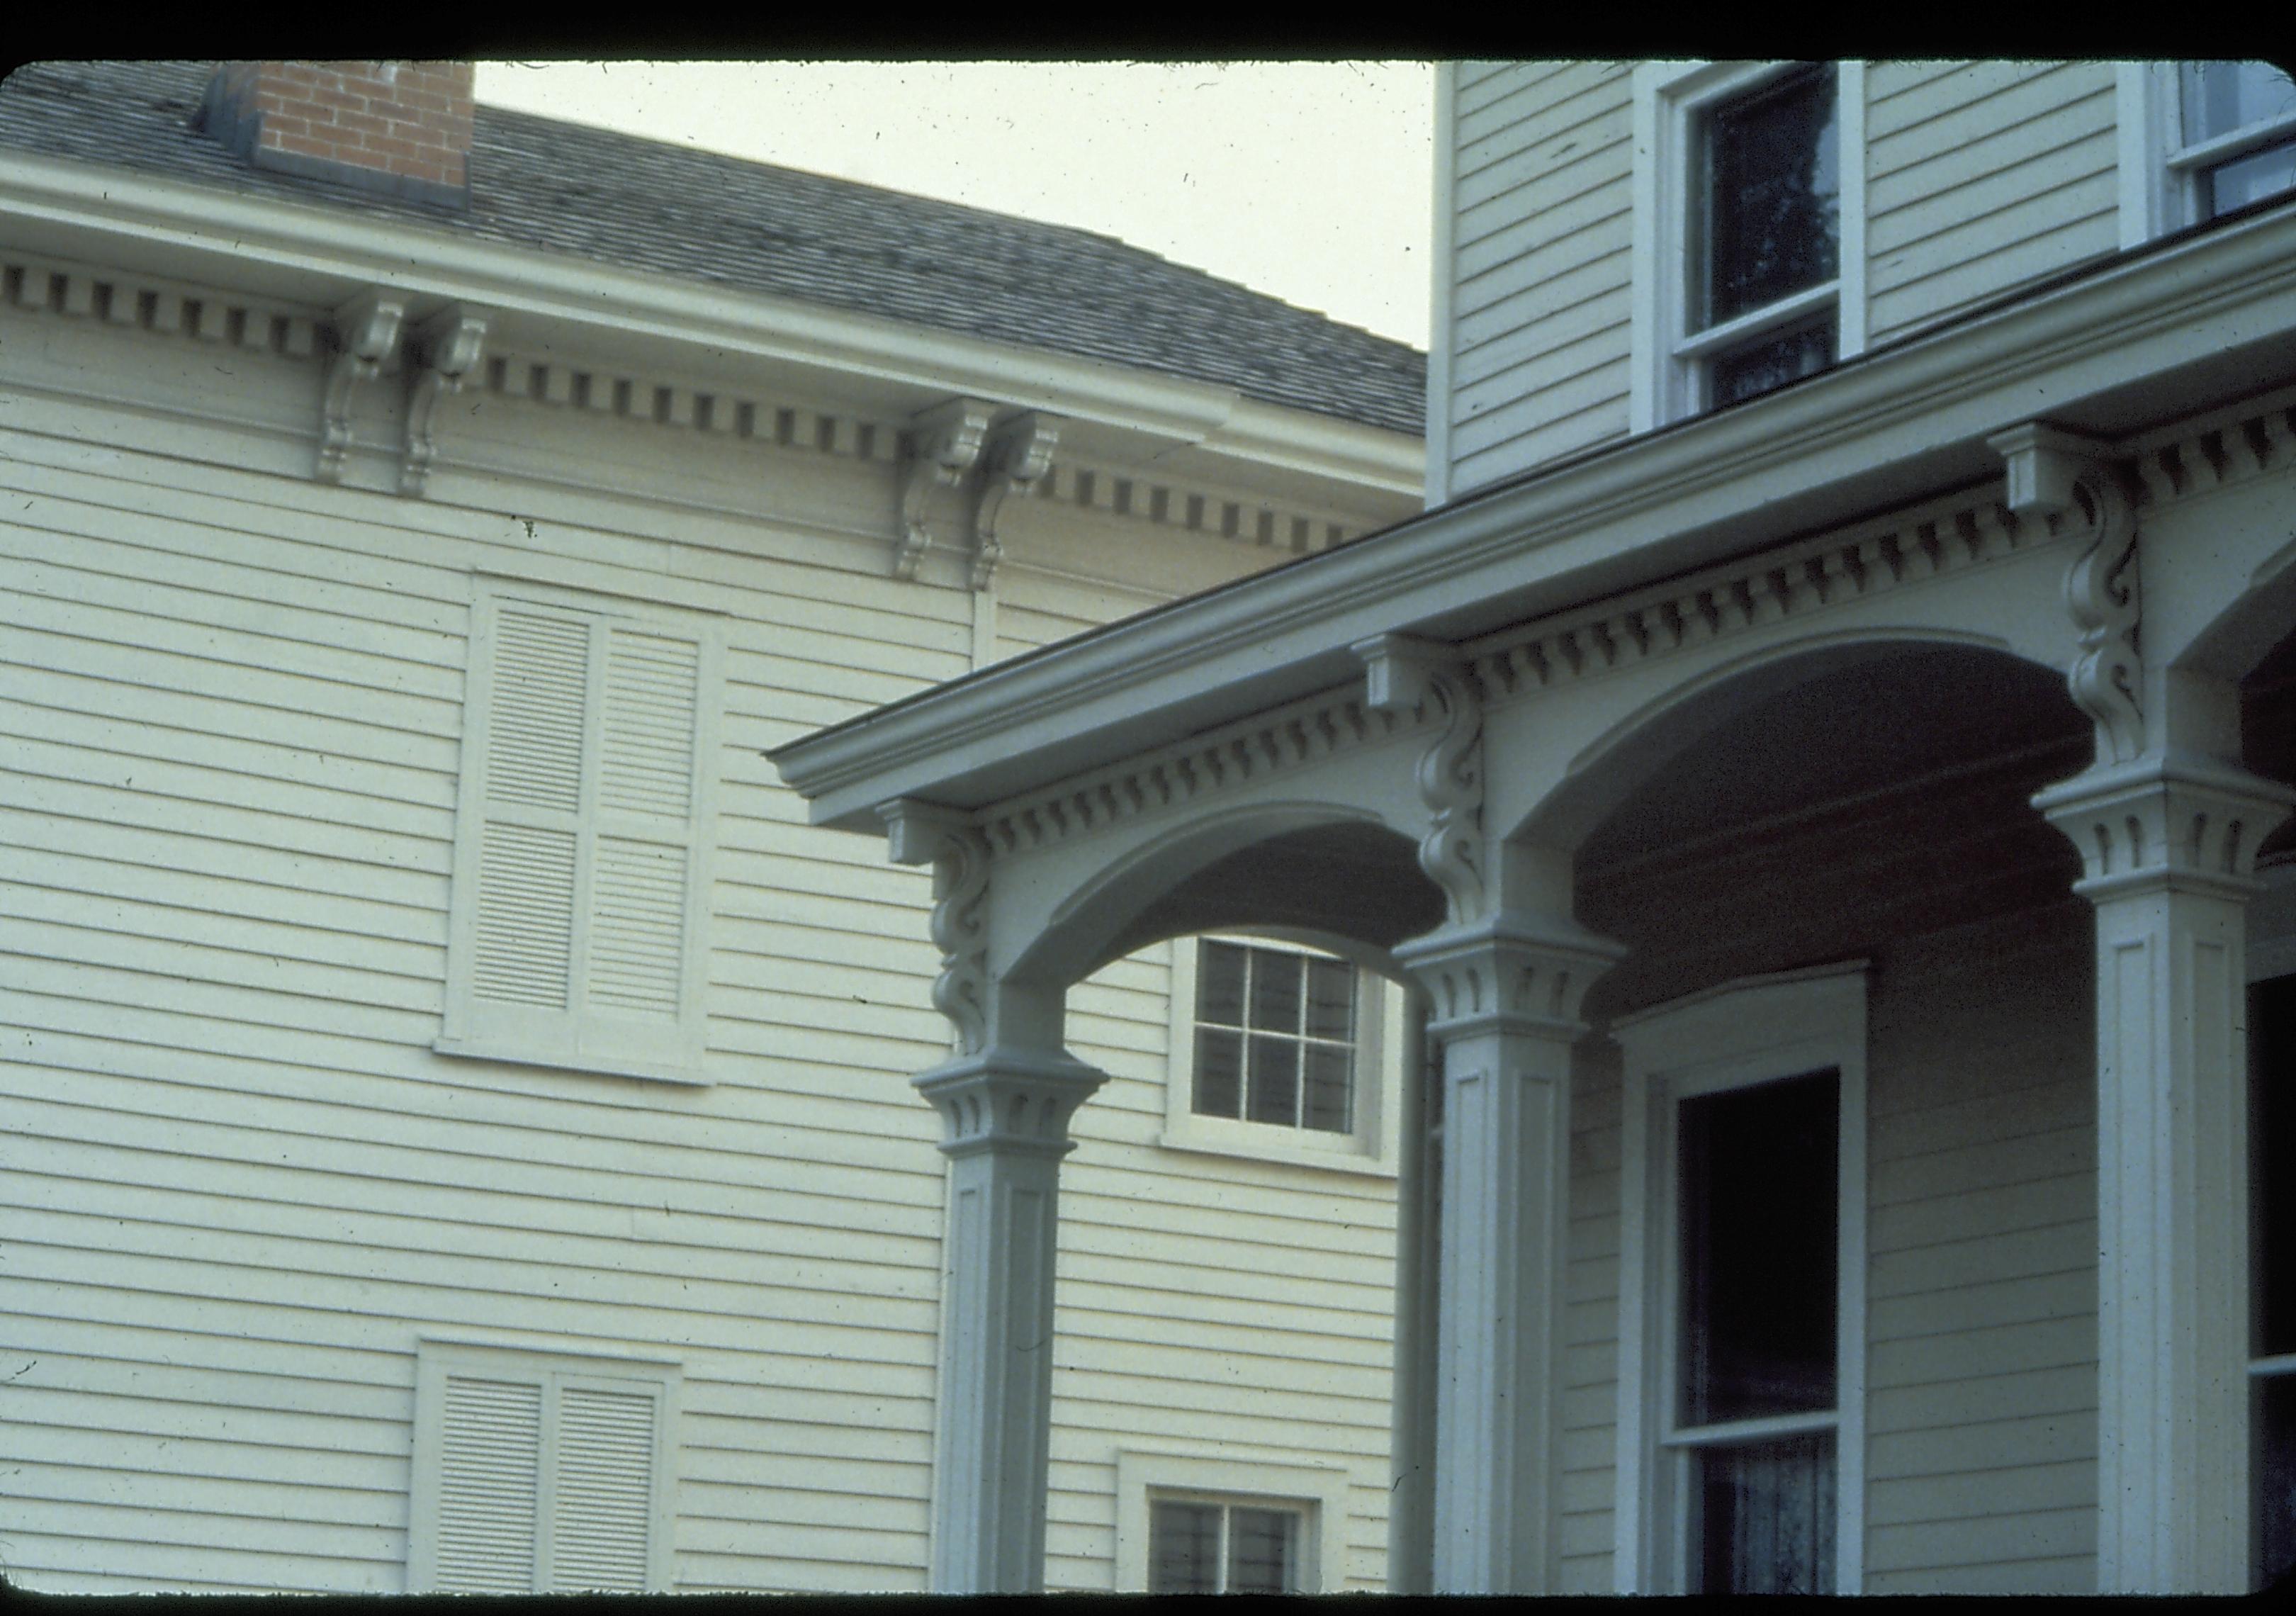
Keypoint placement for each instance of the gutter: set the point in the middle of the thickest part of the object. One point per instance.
(216, 235)
(1900, 423)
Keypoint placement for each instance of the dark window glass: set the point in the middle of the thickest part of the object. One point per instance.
(1773, 195)
(1276, 991)
(1770, 361)
(1324, 1096)
(1766, 1521)
(2276, 1477)
(2271, 1136)
(1219, 1073)
(1330, 1000)
(1291, 1061)
(1182, 1548)
(1261, 1543)
(1274, 1080)
(1219, 984)
(2250, 179)
(1758, 1208)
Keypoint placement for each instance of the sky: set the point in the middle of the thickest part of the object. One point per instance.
(1311, 181)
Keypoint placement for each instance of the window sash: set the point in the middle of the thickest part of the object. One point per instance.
(1259, 1055)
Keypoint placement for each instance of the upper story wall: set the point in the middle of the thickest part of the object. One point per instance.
(1562, 207)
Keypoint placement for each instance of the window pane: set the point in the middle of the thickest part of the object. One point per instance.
(1330, 1000)
(2272, 1045)
(1275, 991)
(2251, 178)
(1766, 1517)
(1324, 1105)
(1770, 361)
(2276, 1477)
(1261, 1544)
(1182, 1548)
(1219, 984)
(1274, 1081)
(2221, 96)
(1759, 1205)
(1773, 195)
(1219, 1073)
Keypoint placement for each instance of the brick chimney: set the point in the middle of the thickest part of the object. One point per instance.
(402, 128)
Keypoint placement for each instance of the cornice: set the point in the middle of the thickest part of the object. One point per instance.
(323, 255)
(1880, 433)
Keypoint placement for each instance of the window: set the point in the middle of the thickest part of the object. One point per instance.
(2272, 1216)
(2200, 139)
(1281, 1052)
(539, 1473)
(1741, 1382)
(1749, 231)
(582, 837)
(1239, 1524)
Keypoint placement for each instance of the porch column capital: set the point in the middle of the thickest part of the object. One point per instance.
(2174, 821)
(1014, 1102)
(1514, 971)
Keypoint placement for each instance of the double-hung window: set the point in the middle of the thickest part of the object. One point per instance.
(1246, 1522)
(583, 835)
(2200, 139)
(1201, 1546)
(1281, 1052)
(1749, 231)
(1741, 1421)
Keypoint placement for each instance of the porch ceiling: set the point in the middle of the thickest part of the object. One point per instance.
(2133, 342)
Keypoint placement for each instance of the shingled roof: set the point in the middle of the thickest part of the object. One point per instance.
(645, 205)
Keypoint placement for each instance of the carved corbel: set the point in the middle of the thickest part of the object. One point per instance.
(2051, 470)
(1403, 673)
(446, 348)
(921, 833)
(948, 439)
(366, 344)
(1020, 453)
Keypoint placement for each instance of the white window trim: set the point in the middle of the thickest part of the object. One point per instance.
(1668, 97)
(684, 1059)
(438, 1355)
(1369, 1148)
(2159, 176)
(1741, 1033)
(1287, 1481)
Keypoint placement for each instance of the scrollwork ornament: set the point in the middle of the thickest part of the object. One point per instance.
(2101, 595)
(1451, 784)
(960, 929)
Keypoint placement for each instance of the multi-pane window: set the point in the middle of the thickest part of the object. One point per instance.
(1757, 1340)
(2272, 1045)
(2237, 134)
(1274, 1037)
(1768, 253)
(1202, 1546)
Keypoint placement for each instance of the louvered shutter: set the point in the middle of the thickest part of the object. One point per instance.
(602, 1511)
(488, 1486)
(580, 870)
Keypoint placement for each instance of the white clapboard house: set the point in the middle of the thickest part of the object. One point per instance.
(455, 1119)
(1822, 760)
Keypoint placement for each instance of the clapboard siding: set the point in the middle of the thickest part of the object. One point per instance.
(1589, 1384)
(238, 1181)
(1980, 178)
(1539, 273)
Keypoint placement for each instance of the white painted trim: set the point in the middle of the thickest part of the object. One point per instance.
(1369, 1148)
(549, 1367)
(1442, 279)
(1727, 1036)
(1668, 97)
(1232, 1476)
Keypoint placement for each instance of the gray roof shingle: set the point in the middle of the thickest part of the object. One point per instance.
(646, 205)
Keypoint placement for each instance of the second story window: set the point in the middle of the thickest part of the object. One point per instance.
(2238, 133)
(1768, 260)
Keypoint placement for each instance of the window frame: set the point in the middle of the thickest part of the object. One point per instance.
(1233, 1477)
(1735, 1035)
(482, 1030)
(2161, 177)
(1668, 376)
(555, 1365)
(1369, 1147)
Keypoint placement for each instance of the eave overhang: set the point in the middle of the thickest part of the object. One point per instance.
(2134, 342)
(322, 255)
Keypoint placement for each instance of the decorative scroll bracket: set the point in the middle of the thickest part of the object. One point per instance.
(445, 348)
(1019, 452)
(922, 832)
(2052, 471)
(366, 343)
(1402, 673)
(948, 439)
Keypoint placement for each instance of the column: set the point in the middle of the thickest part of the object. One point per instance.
(2169, 842)
(1506, 992)
(1006, 1115)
